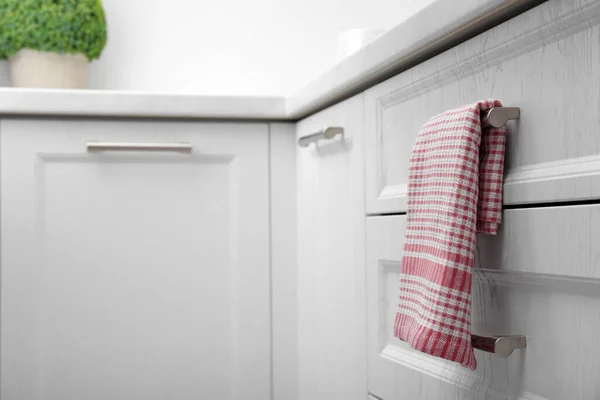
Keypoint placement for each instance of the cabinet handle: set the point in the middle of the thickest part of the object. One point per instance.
(327, 133)
(499, 116)
(123, 146)
(502, 346)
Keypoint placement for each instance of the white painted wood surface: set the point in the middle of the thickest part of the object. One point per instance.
(539, 277)
(546, 61)
(331, 293)
(284, 299)
(134, 276)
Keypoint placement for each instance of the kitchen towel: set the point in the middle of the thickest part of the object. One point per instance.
(454, 192)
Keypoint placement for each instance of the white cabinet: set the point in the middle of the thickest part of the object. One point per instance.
(331, 299)
(545, 61)
(539, 277)
(134, 275)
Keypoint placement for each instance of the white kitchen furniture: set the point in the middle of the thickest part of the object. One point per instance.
(545, 61)
(163, 246)
(539, 276)
(132, 274)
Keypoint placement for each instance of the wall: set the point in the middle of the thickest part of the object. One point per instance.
(266, 47)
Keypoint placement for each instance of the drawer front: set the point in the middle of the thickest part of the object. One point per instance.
(539, 277)
(545, 61)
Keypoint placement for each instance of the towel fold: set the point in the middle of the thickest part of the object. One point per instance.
(454, 192)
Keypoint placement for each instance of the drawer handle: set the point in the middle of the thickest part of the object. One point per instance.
(327, 133)
(502, 346)
(499, 116)
(124, 146)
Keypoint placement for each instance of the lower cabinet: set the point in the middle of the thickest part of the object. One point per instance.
(331, 296)
(538, 277)
(130, 274)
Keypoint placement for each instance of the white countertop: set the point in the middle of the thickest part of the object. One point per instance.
(137, 104)
(436, 28)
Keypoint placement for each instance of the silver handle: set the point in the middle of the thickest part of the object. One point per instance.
(499, 116)
(124, 146)
(502, 346)
(327, 133)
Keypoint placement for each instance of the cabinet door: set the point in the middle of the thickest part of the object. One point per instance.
(538, 277)
(134, 275)
(331, 302)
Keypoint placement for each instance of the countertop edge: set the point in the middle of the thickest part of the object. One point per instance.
(99, 103)
(413, 41)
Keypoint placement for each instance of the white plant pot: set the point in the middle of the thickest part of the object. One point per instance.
(41, 69)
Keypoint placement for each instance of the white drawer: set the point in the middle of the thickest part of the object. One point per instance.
(540, 277)
(546, 61)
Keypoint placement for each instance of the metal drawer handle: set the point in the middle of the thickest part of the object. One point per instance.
(327, 133)
(124, 146)
(502, 346)
(499, 116)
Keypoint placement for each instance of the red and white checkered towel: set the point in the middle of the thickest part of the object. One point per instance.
(454, 192)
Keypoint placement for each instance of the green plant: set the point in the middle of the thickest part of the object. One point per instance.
(59, 26)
